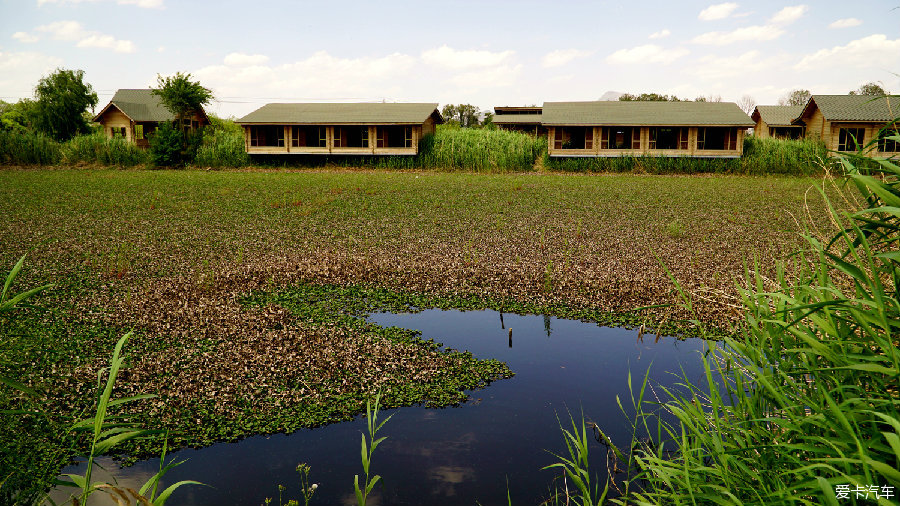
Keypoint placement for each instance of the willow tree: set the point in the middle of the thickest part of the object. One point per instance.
(61, 100)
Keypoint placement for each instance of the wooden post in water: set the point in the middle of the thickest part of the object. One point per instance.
(510, 337)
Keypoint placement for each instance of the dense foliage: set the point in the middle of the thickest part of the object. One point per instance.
(61, 99)
(180, 95)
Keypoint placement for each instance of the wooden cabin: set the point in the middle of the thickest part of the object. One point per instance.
(339, 129)
(607, 128)
(520, 119)
(135, 115)
(846, 122)
(776, 121)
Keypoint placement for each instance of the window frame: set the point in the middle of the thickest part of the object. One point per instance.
(847, 135)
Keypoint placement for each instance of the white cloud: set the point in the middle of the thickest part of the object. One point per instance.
(20, 71)
(717, 11)
(789, 14)
(660, 34)
(648, 53)
(845, 23)
(243, 59)
(493, 77)
(561, 57)
(73, 31)
(320, 76)
(872, 51)
(446, 56)
(25, 37)
(146, 4)
(755, 32)
(750, 62)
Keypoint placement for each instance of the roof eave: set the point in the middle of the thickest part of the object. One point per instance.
(111, 104)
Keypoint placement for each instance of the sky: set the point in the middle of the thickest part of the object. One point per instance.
(487, 53)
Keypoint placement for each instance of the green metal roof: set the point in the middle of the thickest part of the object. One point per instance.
(519, 119)
(645, 113)
(327, 114)
(139, 105)
(854, 107)
(778, 115)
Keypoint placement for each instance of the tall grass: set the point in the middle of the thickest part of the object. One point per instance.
(480, 150)
(222, 145)
(27, 148)
(99, 149)
(805, 400)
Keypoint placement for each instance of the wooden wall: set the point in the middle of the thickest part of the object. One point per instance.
(645, 150)
(330, 149)
(113, 118)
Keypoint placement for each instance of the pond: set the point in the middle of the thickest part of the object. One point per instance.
(469, 454)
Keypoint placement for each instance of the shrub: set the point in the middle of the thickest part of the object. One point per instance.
(167, 146)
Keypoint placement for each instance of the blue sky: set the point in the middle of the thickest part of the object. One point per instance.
(486, 53)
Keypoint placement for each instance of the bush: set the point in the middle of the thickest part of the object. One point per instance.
(28, 148)
(167, 146)
(98, 148)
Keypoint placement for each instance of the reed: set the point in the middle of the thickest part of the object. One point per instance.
(802, 404)
(222, 145)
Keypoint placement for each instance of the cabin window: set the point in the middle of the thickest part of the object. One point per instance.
(716, 138)
(786, 132)
(351, 137)
(139, 132)
(267, 135)
(851, 139)
(117, 132)
(620, 138)
(668, 138)
(393, 137)
(886, 145)
(574, 138)
(309, 137)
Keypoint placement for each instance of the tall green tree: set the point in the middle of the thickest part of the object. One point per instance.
(180, 95)
(60, 102)
(466, 115)
(17, 116)
(648, 97)
(871, 89)
(795, 97)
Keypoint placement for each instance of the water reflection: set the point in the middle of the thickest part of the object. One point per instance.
(457, 455)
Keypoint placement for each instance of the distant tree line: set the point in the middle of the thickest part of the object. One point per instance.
(747, 103)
